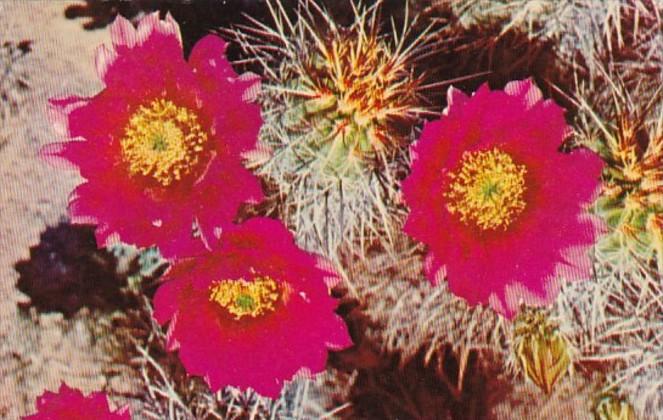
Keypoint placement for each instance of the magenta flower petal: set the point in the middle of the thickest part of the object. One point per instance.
(500, 208)
(251, 340)
(71, 404)
(243, 121)
(160, 147)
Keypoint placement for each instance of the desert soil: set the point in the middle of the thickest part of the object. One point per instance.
(39, 351)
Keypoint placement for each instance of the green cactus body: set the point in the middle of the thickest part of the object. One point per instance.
(340, 107)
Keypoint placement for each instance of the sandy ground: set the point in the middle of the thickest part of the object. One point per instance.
(38, 352)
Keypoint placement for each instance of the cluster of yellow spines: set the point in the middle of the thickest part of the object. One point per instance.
(163, 141)
(634, 170)
(488, 189)
(631, 199)
(363, 87)
(246, 298)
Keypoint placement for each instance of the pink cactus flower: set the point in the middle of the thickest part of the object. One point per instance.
(160, 146)
(71, 404)
(253, 312)
(500, 207)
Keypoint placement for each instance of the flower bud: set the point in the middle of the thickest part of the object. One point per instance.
(541, 349)
(611, 407)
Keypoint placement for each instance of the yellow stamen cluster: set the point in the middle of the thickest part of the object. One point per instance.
(246, 298)
(487, 190)
(163, 141)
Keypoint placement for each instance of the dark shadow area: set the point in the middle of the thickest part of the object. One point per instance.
(199, 18)
(66, 271)
(631, 47)
(387, 388)
(196, 18)
(416, 390)
(494, 57)
(99, 13)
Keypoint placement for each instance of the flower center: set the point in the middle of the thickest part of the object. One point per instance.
(487, 190)
(163, 141)
(246, 298)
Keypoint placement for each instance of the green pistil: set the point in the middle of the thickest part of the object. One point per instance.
(245, 302)
(490, 190)
(159, 143)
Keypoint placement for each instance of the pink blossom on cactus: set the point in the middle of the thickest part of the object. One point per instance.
(253, 312)
(71, 404)
(160, 145)
(500, 207)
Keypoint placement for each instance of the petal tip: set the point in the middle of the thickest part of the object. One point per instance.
(103, 59)
(526, 89)
(123, 32)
